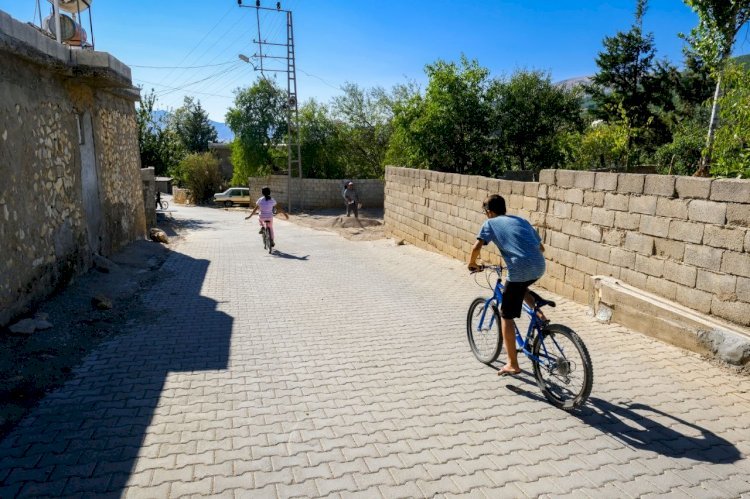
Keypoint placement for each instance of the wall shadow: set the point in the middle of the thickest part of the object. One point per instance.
(85, 437)
(645, 427)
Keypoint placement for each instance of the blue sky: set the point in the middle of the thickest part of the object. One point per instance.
(365, 42)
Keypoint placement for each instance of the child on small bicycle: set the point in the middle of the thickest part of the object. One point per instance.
(521, 248)
(266, 205)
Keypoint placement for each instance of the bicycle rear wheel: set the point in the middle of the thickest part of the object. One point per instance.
(564, 371)
(266, 243)
(164, 205)
(487, 342)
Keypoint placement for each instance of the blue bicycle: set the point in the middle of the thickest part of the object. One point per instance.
(562, 365)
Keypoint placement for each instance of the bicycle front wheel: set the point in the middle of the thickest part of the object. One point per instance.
(563, 371)
(486, 342)
(164, 205)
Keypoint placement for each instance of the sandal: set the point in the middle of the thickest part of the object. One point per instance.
(508, 371)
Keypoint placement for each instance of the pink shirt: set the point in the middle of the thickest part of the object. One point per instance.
(266, 208)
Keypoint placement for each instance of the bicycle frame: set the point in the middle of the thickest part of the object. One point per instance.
(524, 345)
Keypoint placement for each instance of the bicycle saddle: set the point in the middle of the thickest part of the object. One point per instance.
(541, 302)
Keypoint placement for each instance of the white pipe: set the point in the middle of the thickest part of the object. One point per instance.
(58, 35)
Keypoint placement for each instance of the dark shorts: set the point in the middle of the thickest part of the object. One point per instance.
(513, 299)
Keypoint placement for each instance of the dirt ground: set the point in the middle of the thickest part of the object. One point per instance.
(33, 365)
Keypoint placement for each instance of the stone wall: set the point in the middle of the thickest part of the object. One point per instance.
(682, 238)
(148, 179)
(69, 162)
(314, 193)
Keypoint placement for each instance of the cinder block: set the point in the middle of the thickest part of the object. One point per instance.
(731, 310)
(703, 257)
(630, 221)
(591, 232)
(743, 289)
(649, 265)
(579, 246)
(738, 214)
(642, 204)
(530, 203)
(586, 264)
(584, 180)
(575, 278)
(531, 189)
(617, 202)
(603, 217)
(571, 227)
(661, 287)
(554, 223)
(542, 191)
(719, 237)
(582, 213)
(721, 285)
(622, 257)
(593, 198)
(672, 208)
(567, 258)
(634, 278)
(731, 189)
(693, 187)
(660, 185)
(562, 210)
(574, 196)
(736, 263)
(681, 274)
(605, 181)
(565, 178)
(707, 211)
(630, 183)
(654, 226)
(547, 177)
(639, 243)
(747, 242)
(686, 231)
(694, 298)
(674, 250)
(599, 252)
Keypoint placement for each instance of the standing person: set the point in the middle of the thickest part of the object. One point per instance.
(266, 204)
(352, 200)
(521, 248)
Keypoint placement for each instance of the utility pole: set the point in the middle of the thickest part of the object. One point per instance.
(294, 157)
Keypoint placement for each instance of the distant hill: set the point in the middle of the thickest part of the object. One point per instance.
(744, 60)
(574, 82)
(222, 130)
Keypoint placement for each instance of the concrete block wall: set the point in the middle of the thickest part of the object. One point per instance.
(685, 239)
(313, 193)
(69, 161)
(148, 178)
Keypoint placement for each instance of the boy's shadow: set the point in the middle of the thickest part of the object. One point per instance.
(644, 427)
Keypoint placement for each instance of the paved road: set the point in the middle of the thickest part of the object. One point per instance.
(340, 368)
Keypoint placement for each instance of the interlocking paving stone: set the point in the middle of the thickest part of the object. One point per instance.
(339, 368)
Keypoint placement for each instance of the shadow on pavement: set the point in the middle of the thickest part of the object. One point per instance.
(174, 226)
(86, 437)
(289, 256)
(644, 427)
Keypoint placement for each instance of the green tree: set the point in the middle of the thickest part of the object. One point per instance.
(191, 125)
(712, 40)
(530, 115)
(200, 173)
(631, 85)
(159, 146)
(449, 129)
(365, 129)
(258, 120)
(321, 145)
(732, 143)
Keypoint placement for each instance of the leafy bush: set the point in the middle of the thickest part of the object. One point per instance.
(602, 145)
(683, 154)
(731, 155)
(200, 173)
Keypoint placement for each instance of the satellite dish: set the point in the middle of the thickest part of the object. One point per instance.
(73, 6)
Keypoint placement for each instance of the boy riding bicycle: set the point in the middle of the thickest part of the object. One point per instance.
(521, 248)
(266, 205)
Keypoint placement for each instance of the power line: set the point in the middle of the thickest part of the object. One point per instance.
(182, 67)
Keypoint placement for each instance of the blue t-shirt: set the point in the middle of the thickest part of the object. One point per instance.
(518, 243)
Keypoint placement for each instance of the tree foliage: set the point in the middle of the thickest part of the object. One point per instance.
(200, 173)
(532, 116)
(322, 148)
(258, 120)
(449, 128)
(192, 127)
(633, 87)
(158, 144)
(732, 147)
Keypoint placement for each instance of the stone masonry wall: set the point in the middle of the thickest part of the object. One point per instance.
(55, 116)
(318, 193)
(685, 239)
